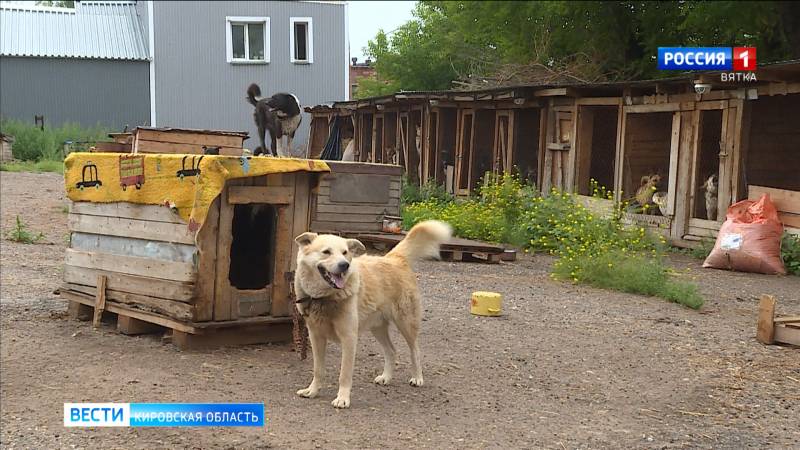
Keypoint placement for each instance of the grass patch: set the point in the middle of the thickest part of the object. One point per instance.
(21, 234)
(790, 252)
(47, 165)
(630, 273)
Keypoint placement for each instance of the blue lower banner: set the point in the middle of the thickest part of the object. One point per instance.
(164, 415)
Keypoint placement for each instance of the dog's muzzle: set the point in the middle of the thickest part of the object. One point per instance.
(334, 279)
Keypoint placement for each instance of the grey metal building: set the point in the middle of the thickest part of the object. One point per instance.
(170, 63)
(88, 65)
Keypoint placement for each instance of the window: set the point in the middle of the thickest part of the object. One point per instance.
(247, 40)
(301, 40)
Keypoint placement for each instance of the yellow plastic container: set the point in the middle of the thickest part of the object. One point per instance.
(486, 304)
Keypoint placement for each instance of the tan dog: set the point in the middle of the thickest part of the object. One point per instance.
(341, 293)
(647, 186)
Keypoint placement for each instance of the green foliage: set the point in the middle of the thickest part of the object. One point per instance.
(634, 273)
(411, 193)
(58, 4)
(587, 246)
(33, 144)
(790, 252)
(21, 234)
(45, 165)
(615, 40)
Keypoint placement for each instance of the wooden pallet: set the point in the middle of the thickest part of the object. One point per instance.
(456, 249)
(771, 329)
(186, 335)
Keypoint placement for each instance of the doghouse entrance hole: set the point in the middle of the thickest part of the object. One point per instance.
(526, 145)
(707, 160)
(648, 137)
(597, 147)
(253, 246)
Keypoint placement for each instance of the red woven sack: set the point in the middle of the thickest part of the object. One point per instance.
(750, 239)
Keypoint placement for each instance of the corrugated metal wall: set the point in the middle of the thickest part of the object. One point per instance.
(196, 87)
(111, 93)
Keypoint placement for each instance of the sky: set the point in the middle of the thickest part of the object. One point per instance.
(366, 18)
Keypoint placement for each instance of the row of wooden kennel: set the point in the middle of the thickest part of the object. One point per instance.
(744, 132)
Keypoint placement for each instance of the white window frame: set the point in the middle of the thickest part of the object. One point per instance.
(241, 20)
(309, 39)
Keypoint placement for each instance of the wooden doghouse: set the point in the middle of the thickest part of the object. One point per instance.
(188, 141)
(229, 284)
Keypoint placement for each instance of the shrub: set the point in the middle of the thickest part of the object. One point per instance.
(790, 252)
(33, 144)
(21, 234)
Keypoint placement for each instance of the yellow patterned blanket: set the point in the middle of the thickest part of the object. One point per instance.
(186, 183)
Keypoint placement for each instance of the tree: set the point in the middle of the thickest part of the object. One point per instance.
(448, 41)
(58, 4)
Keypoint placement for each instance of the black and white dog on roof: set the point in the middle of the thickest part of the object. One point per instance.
(279, 114)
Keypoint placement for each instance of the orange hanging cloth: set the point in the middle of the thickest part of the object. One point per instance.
(750, 239)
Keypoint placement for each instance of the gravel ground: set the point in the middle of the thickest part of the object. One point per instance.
(565, 367)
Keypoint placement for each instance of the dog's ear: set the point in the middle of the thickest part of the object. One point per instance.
(305, 238)
(644, 180)
(356, 247)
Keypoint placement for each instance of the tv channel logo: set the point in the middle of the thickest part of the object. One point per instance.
(707, 58)
(164, 415)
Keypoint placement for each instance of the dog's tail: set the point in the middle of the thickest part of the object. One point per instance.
(253, 94)
(423, 241)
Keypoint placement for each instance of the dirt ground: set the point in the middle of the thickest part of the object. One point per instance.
(565, 367)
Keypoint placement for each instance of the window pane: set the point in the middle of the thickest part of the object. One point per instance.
(237, 39)
(300, 41)
(255, 34)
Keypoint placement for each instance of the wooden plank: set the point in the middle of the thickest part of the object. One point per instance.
(324, 191)
(598, 101)
(663, 107)
(366, 168)
(121, 309)
(100, 300)
(79, 311)
(392, 208)
(198, 138)
(351, 188)
(706, 224)
(787, 335)
(672, 181)
(222, 287)
(683, 187)
(170, 308)
(301, 219)
(144, 146)
(340, 227)
(727, 154)
(550, 92)
(150, 213)
(273, 195)
(559, 146)
(766, 314)
(207, 264)
(361, 218)
(131, 327)
(702, 232)
(784, 200)
(284, 255)
(787, 319)
(789, 220)
(141, 229)
(242, 321)
(131, 265)
(153, 287)
(118, 245)
(215, 338)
